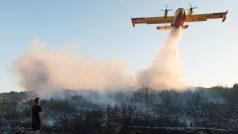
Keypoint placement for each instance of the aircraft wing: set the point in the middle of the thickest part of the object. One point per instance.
(205, 17)
(152, 20)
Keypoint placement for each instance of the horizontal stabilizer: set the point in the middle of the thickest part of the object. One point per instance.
(184, 26)
(164, 28)
(170, 27)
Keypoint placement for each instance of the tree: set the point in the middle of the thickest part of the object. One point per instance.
(235, 85)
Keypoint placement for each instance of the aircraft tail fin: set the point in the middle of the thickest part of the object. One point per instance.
(170, 27)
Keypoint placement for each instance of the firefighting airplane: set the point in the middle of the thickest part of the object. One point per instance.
(177, 21)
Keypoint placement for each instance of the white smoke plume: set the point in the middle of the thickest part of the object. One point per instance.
(42, 70)
(167, 68)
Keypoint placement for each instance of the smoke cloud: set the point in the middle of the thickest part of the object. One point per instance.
(43, 70)
(167, 68)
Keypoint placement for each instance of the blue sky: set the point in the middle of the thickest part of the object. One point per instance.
(103, 30)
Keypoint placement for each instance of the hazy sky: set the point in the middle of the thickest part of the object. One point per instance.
(103, 30)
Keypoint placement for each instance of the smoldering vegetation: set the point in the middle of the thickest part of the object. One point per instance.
(198, 110)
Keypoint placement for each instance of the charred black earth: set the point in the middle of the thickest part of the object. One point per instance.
(200, 110)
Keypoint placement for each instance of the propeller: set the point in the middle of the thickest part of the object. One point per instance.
(166, 8)
(166, 11)
(191, 9)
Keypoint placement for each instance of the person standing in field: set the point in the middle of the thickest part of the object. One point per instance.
(37, 118)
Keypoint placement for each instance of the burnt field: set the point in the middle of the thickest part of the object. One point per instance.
(199, 110)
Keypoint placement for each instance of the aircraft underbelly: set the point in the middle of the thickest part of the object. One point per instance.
(179, 19)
